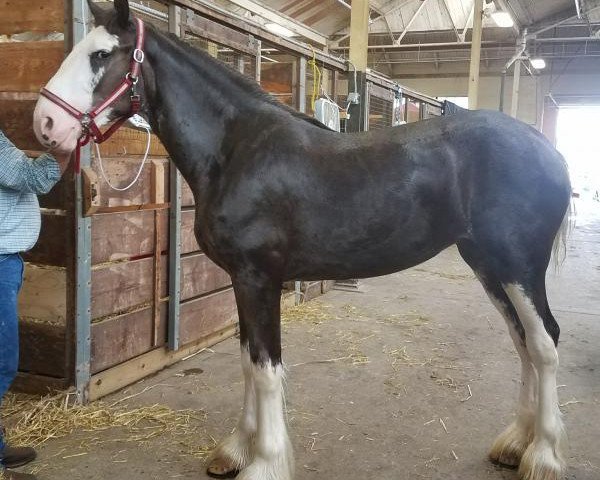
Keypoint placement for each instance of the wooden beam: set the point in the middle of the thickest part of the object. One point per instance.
(283, 20)
(40, 16)
(126, 373)
(411, 21)
(225, 17)
(359, 34)
(475, 55)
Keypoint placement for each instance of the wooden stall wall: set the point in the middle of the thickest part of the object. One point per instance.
(31, 49)
(130, 248)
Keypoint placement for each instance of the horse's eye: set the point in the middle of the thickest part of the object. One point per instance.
(101, 54)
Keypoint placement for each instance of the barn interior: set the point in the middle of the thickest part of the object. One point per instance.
(129, 333)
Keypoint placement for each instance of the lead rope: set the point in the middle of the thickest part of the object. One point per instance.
(122, 189)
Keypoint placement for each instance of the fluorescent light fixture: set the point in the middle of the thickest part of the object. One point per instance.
(503, 19)
(538, 63)
(279, 30)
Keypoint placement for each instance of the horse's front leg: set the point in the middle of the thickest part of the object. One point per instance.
(235, 452)
(270, 454)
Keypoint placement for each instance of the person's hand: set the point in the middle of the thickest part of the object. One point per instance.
(62, 159)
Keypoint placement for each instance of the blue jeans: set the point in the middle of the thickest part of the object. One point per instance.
(11, 278)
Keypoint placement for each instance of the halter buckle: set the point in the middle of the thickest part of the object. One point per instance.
(134, 80)
(138, 56)
(86, 121)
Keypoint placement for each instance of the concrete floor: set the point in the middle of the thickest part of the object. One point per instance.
(380, 388)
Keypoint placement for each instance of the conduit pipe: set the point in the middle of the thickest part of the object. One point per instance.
(521, 46)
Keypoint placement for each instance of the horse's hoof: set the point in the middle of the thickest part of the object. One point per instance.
(220, 468)
(541, 462)
(510, 446)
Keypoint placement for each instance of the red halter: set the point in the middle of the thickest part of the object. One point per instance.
(91, 131)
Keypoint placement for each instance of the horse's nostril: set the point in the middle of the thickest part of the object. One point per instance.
(49, 123)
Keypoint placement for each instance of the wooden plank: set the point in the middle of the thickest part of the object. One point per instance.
(125, 337)
(129, 372)
(220, 34)
(40, 16)
(204, 316)
(127, 142)
(121, 171)
(187, 197)
(277, 78)
(199, 275)
(188, 237)
(126, 235)
(27, 66)
(54, 245)
(117, 287)
(38, 384)
(44, 294)
(158, 275)
(16, 121)
(42, 348)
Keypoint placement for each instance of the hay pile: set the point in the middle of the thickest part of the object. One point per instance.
(34, 421)
(313, 313)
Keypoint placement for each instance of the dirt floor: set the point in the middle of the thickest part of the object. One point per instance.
(411, 377)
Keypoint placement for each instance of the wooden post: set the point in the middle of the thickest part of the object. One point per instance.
(359, 34)
(299, 86)
(475, 55)
(158, 196)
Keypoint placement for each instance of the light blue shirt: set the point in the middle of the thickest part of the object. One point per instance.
(21, 180)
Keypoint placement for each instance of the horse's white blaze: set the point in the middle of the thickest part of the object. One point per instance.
(273, 457)
(236, 450)
(74, 82)
(544, 458)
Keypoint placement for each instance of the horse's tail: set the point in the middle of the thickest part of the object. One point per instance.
(559, 248)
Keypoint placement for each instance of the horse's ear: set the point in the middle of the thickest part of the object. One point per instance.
(122, 9)
(101, 15)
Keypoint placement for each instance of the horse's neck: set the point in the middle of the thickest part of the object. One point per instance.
(191, 105)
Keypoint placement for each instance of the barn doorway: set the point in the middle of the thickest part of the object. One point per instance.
(577, 140)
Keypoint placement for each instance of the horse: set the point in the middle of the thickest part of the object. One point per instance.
(281, 197)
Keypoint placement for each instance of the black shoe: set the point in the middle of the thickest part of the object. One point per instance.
(10, 475)
(13, 457)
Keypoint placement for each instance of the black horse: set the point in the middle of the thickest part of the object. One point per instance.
(281, 197)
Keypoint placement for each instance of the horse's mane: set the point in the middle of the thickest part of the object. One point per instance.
(239, 79)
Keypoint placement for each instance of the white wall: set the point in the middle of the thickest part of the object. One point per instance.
(570, 81)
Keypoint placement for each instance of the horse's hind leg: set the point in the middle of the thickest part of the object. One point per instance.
(521, 273)
(543, 459)
(511, 444)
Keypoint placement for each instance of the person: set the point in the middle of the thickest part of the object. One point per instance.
(21, 179)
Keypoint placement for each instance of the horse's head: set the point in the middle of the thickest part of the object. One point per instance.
(93, 69)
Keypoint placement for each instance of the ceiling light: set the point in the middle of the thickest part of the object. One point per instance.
(279, 30)
(538, 63)
(503, 19)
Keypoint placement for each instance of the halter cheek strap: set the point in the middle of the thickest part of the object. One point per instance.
(89, 128)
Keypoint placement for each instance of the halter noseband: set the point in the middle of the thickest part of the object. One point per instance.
(91, 131)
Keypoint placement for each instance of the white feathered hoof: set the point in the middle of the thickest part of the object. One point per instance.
(542, 462)
(261, 469)
(510, 446)
(230, 457)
